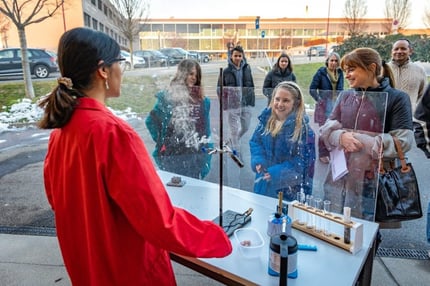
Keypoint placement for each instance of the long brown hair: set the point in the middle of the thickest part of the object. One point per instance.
(180, 79)
(363, 58)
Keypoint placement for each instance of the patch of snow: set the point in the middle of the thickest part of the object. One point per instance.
(25, 112)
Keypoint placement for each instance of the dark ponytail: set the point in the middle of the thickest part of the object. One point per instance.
(388, 72)
(59, 106)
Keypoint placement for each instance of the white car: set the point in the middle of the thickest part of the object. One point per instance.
(138, 62)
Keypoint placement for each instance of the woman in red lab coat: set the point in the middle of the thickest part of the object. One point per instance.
(115, 222)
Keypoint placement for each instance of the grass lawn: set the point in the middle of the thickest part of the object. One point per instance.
(138, 92)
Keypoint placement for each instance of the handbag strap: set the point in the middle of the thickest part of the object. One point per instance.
(398, 146)
(405, 167)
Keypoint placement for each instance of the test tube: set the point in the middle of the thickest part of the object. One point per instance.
(318, 219)
(327, 206)
(301, 219)
(347, 230)
(310, 217)
(297, 210)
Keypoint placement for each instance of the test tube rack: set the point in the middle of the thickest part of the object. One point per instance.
(336, 239)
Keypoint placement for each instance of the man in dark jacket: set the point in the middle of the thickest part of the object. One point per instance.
(422, 123)
(237, 95)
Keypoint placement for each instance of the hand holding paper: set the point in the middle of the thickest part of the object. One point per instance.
(338, 164)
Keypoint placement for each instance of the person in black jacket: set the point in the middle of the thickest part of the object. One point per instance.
(361, 126)
(422, 123)
(238, 95)
(282, 71)
(325, 86)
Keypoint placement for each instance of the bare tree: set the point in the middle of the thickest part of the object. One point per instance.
(354, 12)
(4, 28)
(133, 14)
(23, 13)
(399, 12)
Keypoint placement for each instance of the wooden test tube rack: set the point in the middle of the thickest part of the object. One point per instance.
(356, 241)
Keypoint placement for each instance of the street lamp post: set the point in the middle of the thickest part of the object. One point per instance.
(257, 26)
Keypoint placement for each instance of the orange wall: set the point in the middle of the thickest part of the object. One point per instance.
(47, 33)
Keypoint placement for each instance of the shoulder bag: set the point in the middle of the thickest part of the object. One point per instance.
(398, 194)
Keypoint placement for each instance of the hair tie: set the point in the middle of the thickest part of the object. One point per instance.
(383, 62)
(67, 82)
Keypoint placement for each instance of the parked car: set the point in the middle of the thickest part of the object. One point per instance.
(316, 51)
(200, 56)
(41, 63)
(152, 58)
(334, 48)
(175, 55)
(53, 54)
(138, 62)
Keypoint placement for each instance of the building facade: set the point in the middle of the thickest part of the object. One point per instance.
(207, 35)
(99, 15)
(272, 35)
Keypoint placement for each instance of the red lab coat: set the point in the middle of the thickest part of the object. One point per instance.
(115, 222)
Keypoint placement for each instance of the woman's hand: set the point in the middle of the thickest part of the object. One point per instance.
(258, 168)
(350, 143)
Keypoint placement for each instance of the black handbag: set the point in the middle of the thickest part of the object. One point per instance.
(398, 194)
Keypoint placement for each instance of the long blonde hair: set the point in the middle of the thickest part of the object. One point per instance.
(299, 108)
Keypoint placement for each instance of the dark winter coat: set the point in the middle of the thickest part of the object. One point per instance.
(398, 106)
(273, 78)
(321, 90)
(422, 123)
(231, 95)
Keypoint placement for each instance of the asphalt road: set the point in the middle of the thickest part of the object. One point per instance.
(23, 202)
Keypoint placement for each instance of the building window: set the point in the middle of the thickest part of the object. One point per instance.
(193, 28)
(87, 20)
(93, 2)
(181, 28)
(105, 10)
(95, 24)
(157, 27)
(101, 27)
(169, 27)
(100, 5)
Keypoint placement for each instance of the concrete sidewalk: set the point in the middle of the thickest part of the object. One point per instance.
(36, 261)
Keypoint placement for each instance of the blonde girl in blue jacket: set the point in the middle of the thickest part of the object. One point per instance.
(283, 145)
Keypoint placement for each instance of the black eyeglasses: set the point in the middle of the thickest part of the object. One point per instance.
(121, 62)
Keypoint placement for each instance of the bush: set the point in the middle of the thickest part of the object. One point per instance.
(420, 45)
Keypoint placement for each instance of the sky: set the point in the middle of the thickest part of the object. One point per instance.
(272, 9)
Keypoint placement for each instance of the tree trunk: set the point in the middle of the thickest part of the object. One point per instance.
(29, 90)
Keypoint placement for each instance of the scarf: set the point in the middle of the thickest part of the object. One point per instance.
(333, 76)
